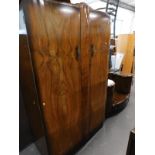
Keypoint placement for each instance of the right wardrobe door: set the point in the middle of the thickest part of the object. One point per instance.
(99, 27)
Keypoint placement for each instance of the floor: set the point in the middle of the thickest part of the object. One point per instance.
(112, 139)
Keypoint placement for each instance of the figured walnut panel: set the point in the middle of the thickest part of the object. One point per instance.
(54, 35)
(84, 62)
(99, 33)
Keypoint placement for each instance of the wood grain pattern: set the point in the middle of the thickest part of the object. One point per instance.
(99, 53)
(54, 37)
(125, 44)
(60, 38)
(84, 62)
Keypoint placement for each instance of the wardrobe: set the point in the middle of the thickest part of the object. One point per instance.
(68, 48)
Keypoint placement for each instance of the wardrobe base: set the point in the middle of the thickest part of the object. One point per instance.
(84, 141)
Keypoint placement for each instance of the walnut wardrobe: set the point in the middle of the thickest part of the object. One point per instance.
(68, 53)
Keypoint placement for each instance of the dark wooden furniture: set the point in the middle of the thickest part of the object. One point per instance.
(68, 54)
(131, 143)
(29, 102)
(110, 93)
(25, 133)
(118, 94)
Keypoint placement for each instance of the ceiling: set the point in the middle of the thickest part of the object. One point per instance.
(129, 2)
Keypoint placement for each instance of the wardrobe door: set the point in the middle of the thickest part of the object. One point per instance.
(99, 31)
(84, 62)
(54, 37)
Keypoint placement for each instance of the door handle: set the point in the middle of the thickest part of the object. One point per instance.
(92, 49)
(77, 53)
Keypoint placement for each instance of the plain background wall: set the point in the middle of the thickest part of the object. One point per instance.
(125, 18)
(125, 21)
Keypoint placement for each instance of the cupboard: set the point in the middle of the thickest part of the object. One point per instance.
(68, 49)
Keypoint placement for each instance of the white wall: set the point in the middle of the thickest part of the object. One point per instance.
(124, 21)
(21, 20)
(125, 18)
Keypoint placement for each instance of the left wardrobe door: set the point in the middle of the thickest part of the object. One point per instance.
(54, 39)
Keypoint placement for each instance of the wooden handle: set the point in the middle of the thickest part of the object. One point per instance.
(77, 53)
(92, 49)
